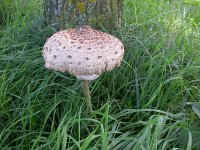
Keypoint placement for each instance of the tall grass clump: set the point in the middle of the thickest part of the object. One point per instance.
(151, 102)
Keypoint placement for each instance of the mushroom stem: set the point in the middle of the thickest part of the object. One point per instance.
(86, 92)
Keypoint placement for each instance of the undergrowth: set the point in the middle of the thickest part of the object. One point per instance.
(150, 102)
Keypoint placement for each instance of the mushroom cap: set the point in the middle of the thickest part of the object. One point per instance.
(83, 52)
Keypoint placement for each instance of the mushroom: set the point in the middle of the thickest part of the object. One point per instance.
(83, 52)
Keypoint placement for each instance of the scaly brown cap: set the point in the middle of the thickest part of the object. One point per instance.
(83, 52)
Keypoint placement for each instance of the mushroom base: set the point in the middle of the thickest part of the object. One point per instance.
(87, 77)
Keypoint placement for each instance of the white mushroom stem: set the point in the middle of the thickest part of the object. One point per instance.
(87, 77)
(86, 92)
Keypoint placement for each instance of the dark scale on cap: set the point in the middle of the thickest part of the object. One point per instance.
(87, 58)
(99, 57)
(54, 56)
(74, 39)
(69, 56)
(99, 43)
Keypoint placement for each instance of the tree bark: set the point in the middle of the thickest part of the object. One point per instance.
(96, 13)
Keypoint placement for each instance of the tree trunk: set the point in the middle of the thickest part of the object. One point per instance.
(96, 13)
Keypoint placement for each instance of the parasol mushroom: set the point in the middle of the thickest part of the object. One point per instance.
(83, 52)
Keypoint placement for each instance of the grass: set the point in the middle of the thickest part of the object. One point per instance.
(151, 102)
